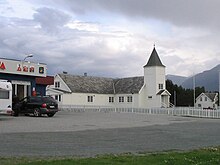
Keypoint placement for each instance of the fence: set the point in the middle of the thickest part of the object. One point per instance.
(176, 111)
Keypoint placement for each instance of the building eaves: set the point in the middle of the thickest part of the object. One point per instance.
(60, 90)
(163, 92)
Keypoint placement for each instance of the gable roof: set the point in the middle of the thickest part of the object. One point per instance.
(164, 92)
(101, 85)
(128, 85)
(88, 84)
(211, 96)
(154, 59)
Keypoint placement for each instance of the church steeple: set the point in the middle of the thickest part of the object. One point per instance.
(154, 59)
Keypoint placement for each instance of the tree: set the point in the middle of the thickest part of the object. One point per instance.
(184, 97)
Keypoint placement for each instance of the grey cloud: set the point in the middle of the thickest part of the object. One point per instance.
(51, 20)
(69, 50)
(179, 12)
(66, 51)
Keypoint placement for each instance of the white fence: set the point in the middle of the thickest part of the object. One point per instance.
(176, 111)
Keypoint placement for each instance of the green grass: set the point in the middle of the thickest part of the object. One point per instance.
(208, 156)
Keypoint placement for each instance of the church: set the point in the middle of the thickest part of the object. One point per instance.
(148, 91)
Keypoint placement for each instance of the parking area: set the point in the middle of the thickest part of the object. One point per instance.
(95, 133)
(78, 121)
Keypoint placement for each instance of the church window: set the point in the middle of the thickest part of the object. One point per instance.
(121, 99)
(111, 99)
(129, 99)
(90, 98)
(160, 86)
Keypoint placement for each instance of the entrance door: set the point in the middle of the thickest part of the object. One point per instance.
(21, 89)
(165, 100)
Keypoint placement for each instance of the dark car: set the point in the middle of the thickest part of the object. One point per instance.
(36, 105)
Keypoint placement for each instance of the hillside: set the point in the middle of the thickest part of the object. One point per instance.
(209, 79)
(176, 79)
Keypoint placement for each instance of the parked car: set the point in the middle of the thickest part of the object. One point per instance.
(36, 105)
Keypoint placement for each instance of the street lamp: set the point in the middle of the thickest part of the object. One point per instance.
(219, 89)
(194, 91)
(27, 56)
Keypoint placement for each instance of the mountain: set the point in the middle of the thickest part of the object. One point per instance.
(209, 79)
(176, 79)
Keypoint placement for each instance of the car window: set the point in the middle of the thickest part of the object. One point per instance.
(24, 99)
(35, 99)
(48, 99)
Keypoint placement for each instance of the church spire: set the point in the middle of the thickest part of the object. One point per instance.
(154, 59)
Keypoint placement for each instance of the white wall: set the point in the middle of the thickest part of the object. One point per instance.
(133, 104)
(142, 101)
(153, 76)
(100, 100)
(63, 86)
(203, 103)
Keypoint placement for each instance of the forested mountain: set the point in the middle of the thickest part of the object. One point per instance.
(176, 79)
(208, 79)
(183, 97)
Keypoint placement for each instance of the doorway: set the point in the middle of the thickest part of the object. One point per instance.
(21, 89)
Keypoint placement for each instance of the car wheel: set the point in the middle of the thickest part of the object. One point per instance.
(37, 112)
(50, 114)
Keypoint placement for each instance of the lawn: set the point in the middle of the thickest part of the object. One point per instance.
(200, 157)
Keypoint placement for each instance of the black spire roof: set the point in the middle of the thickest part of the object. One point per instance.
(154, 59)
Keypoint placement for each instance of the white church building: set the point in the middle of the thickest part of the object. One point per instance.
(146, 91)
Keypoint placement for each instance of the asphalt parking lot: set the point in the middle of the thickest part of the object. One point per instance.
(94, 133)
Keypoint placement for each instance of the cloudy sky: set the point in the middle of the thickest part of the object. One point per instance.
(112, 38)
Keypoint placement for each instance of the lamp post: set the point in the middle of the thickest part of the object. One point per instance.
(194, 90)
(23, 62)
(28, 56)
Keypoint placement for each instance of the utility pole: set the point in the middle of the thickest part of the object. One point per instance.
(219, 89)
(194, 90)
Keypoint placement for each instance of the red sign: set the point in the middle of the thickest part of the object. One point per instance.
(25, 69)
(2, 66)
(19, 67)
(31, 69)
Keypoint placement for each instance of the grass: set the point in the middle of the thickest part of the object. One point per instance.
(208, 156)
